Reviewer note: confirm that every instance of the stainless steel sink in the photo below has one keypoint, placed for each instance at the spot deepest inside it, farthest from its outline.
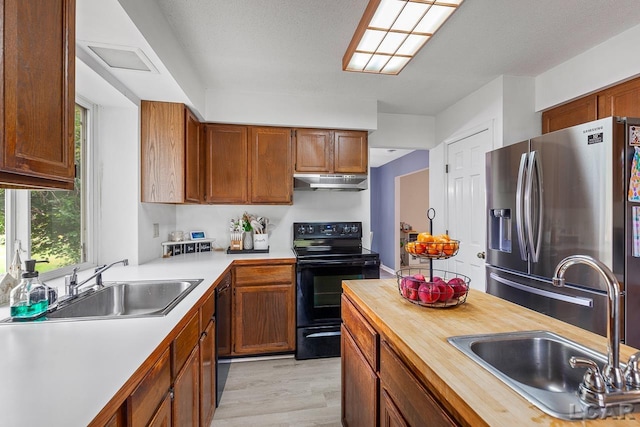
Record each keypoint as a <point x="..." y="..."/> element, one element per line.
<point x="142" y="298"/>
<point x="535" y="364"/>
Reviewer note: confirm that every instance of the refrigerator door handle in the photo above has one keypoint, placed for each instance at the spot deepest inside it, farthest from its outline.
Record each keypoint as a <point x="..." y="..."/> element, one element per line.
<point x="519" y="207"/>
<point x="533" y="170"/>
<point x="585" y="302"/>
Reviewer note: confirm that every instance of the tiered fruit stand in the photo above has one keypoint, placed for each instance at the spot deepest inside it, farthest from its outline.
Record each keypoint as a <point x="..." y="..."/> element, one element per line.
<point x="429" y="287"/>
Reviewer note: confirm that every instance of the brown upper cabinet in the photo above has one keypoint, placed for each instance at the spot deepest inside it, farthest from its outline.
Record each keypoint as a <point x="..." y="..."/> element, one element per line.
<point x="38" y="94"/>
<point x="619" y="100"/>
<point x="330" y="151"/>
<point x="248" y="165"/>
<point x="171" y="153"/>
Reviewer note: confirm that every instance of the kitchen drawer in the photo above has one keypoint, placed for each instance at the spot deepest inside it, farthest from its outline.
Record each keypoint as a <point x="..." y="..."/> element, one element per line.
<point x="362" y="332"/>
<point x="207" y="311"/>
<point x="183" y="344"/>
<point x="264" y="275"/>
<point x="146" y="398"/>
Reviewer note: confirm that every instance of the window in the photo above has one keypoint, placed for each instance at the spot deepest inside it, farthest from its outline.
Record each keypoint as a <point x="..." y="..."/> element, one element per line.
<point x="50" y="225"/>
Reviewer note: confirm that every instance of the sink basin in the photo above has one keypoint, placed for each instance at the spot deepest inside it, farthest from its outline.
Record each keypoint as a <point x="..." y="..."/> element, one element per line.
<point x="535" y="364"/>
<point x="142" y="298"/>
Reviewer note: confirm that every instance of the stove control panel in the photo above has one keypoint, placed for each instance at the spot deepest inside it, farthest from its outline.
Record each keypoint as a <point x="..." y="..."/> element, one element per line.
<point x="319" y="230"/>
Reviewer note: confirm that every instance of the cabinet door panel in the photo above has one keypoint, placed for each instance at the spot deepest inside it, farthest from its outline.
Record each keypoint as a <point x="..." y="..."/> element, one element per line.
<point x="264" y="319"/>
<point x="183" y="344"/>
<point x="621" y="100"/>
<point x="582" y="110"/>
<point x="226" y="158"/>
<point x="162" y="152"/>
<point x="361" y="331"/>
<point x="186" y="389"/>
<point x="208" y="374"/>
<point x="38" y="69"/>
<point x="147" y="396"/>
<point x="194" y="159"/>
<point x="350" y="152"/>
<point x="313" y="150"/>
<point x="359" y="385"/>
<point x="389" y="414"/>
<point x="162" y="417"/>
<point x="270" y="165"/>
<point x="416" y="404"/>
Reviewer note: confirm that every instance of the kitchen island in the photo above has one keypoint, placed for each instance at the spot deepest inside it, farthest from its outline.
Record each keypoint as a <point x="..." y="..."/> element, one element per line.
<point x="461" y="391"/>
<point x="68" y="373"/>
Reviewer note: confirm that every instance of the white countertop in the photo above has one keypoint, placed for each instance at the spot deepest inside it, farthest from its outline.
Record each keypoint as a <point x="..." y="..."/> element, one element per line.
<point x="64" y="373"/>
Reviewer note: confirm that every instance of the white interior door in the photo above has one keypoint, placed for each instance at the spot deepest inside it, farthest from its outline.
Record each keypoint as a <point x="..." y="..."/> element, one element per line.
<point x="466" y="204"/>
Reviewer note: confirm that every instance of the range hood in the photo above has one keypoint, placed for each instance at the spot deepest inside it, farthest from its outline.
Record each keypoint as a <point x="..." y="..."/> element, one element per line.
<point x="336" y="182"/>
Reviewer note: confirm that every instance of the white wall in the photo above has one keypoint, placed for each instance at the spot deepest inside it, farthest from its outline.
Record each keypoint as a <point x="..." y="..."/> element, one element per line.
<point x="291" y="110"/>
<point x="308" y="206"/>
<point x="117" y="176"/>
<point x="611" y="62"/>
<point x="404" y="131"/>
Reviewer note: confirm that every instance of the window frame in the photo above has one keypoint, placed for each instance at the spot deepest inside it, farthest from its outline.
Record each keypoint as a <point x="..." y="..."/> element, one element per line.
<point x="18" y="206"/>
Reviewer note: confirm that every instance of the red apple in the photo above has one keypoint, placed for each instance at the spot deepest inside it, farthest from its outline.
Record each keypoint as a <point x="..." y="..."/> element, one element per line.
<point x="419" y="277"/>
<point x="412" y="289"/>
<point x="428" y="292"/>
<point x="459" y="287"/>
<point x="446" y="291"/>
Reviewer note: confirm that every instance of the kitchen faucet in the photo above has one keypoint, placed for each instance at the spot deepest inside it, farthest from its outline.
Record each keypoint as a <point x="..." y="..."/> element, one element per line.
<point x="612" y="372"/>
<point x="71" y="284"/>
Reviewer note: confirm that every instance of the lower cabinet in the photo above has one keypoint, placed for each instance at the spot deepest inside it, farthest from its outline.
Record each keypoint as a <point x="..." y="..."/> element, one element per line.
<point x="145" y="400"/>
<point x="263" y="310"/>
<point x="185" y="410"/>
<point x="208" y="373"/>
<point x="378" y="387"/>
<point x="359" y="385"/>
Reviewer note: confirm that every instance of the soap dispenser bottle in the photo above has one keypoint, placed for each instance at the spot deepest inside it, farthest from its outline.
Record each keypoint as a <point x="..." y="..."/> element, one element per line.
<point x="30" y="298"/>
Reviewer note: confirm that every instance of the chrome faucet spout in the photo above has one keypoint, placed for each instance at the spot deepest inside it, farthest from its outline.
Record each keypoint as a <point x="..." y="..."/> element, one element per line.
<point x="72" y="285"/>
<point x="612" y="371"/>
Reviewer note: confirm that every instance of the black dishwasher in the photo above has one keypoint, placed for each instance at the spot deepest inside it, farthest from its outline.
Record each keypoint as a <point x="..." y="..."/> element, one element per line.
<point x="223" y="333"/>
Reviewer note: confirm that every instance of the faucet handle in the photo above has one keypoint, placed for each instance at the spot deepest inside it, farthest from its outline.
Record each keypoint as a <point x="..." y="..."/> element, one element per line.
<point x="632" y="373"/>
<point x="593" y="381"/>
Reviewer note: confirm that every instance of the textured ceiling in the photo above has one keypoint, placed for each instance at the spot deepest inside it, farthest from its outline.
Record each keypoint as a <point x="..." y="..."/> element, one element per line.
<point x="296" y="46"/>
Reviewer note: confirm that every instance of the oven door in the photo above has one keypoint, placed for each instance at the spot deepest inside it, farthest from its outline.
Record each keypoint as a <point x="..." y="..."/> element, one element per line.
<point x="319" y="286"/>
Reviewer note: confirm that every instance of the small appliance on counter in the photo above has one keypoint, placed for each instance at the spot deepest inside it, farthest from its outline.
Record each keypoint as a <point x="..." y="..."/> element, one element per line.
<point x="326" y="254"/>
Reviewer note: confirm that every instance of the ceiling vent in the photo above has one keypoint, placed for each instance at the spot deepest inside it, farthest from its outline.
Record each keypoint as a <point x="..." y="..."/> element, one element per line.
<point x="121" y="57"/>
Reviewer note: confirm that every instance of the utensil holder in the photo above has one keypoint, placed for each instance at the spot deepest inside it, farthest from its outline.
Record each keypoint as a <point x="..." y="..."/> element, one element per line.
<point x="236" y="240"/>
<point x="261" y="241"/>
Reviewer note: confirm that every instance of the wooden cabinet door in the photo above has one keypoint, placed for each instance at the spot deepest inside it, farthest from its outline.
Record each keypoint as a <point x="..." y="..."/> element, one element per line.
<point x="313" y="151"/>
<point x="38" y="93"/>
<point x="162" y="152"/>
<point x="118" y="419"/>
<point x="582" y="110"/>
<point x="621" y="100"/>
<point x="359" y="385"/>
<point x="350" y="152"/>
<point x="145" y="399"/>
<point x="162" y="417"/>
<point x="264" y="319"/>
<point x="270" y="165"/>
<point x="415" y="403"/>
<point x="389" y="414"/>
<point x="194" y="159"/>
<point x="226" y="159"/>
<point x="208" y="374"/>
<point x="186" y="388"/>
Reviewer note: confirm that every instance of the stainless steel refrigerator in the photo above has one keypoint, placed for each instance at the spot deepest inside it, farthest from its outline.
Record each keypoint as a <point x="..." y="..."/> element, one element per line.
<point x="561" y="194"/>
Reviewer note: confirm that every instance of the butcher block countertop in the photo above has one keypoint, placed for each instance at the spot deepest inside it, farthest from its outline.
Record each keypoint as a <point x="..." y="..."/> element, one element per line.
<point x="468" y="391"/>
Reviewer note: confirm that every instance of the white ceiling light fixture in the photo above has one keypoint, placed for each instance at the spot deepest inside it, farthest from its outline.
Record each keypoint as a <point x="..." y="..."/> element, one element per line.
<point x="391" y="32"/>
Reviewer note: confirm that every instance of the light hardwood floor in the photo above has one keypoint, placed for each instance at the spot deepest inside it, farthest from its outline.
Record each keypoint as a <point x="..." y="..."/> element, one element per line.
<point x="282" y="393"/>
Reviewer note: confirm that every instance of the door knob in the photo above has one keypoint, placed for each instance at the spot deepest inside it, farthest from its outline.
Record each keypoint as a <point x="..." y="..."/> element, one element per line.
<point x="480" y="255"/>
